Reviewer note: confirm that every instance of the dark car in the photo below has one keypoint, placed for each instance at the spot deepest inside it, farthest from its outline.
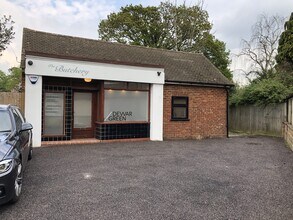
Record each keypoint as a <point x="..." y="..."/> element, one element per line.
<point x="15" y="151"/>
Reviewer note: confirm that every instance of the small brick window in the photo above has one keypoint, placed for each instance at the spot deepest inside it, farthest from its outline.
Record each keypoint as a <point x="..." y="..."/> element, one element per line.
<point x="179" y="108"/>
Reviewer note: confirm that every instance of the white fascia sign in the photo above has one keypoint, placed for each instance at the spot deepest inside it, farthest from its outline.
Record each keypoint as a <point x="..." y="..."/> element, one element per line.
<point x="45" y="66"/>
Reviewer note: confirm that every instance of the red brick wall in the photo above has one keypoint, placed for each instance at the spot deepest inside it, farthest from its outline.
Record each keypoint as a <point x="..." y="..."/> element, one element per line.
<point x="207" y="113"/>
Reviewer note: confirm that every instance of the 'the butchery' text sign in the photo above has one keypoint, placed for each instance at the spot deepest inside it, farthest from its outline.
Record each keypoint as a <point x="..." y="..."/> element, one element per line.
<point x="66" y="69"/>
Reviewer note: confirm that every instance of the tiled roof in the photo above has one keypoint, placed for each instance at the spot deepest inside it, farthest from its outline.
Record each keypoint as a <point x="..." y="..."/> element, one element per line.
<point x="179" y="66"/>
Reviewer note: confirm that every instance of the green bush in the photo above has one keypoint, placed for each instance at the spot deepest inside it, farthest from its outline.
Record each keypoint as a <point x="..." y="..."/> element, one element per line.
<point x="260" y="92"/>
<point x="11" y="81"/>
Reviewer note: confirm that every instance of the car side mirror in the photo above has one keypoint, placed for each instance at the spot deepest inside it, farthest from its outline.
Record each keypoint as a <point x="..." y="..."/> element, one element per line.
<point x="26" y="127"/>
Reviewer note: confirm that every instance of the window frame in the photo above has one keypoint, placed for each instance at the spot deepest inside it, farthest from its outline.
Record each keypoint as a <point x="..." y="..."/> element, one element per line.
<point x="127" y="86"/>
<point x="173" y="105"/>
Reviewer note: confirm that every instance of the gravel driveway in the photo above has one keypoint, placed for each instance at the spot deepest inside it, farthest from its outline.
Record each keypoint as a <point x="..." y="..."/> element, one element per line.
<point x="235" y="178"/>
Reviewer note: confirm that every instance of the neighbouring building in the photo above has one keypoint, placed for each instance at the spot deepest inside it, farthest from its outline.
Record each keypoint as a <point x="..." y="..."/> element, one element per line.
<point x="83" y="88"/>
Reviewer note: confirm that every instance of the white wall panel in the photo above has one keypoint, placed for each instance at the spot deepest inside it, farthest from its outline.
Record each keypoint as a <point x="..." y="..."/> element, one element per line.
<point x="156" y="132"/>
<point x="33" y="108"/>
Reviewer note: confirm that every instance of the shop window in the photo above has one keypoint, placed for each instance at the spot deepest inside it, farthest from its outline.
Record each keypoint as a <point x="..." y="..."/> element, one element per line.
<point x="122" y="105"/>
<point x="54" y="113"/>
<point x="179" y="108"/>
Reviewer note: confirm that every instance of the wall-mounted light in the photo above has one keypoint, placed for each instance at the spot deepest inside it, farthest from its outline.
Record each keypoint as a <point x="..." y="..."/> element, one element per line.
<point x="87" y="80"/>
<point x="159" y="73"/>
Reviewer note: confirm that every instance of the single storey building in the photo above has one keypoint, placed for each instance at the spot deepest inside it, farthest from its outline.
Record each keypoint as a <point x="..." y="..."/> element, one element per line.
<point x="82" y="88"/>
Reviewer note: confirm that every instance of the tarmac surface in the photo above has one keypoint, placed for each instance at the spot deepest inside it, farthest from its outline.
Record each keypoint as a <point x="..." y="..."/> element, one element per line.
<point x="235" y="178"/>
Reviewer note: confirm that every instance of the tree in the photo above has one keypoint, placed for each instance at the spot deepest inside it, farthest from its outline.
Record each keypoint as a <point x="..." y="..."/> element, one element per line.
<point x="284" y="58"/>
<point x="11" y="81"/>
<point x="261" y="48"/>
<point x="6" y="32"/>
<point x="215" y="51"/>
<point x="186" y="26"/>
<point x="273" y="83"/>
<point x="167" y="26"/>
<point x="134" y="25"/>
<point x="3" y="81"/>
<point x="285" y="49"/>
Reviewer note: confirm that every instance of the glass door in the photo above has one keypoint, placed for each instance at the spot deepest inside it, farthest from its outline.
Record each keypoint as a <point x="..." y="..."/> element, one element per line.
<point x="83" y="115"/>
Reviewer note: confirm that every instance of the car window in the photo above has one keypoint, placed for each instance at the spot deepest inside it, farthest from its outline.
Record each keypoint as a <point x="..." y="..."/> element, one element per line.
<point x="17" y="118"/>
<point x="20" y="114"/>
<point x="5" y="122"/>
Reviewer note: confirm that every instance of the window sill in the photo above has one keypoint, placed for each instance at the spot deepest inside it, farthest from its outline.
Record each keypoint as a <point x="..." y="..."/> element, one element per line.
<point x="173" y="119"/>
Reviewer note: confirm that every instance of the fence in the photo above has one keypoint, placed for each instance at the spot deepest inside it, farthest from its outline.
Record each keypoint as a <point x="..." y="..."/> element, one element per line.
<point x="257" y="119"/>
<point x="288" y="126"/>
<point x="290" y="110"/>
<point x="14" y="98"/>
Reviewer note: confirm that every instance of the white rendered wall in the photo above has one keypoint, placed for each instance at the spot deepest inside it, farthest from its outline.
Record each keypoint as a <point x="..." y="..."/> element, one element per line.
<point x="156" y="114"/>
<point x="33" y="108"/>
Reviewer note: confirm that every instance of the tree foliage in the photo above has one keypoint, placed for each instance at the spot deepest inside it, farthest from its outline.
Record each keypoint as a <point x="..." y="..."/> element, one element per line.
<point x="186" y="26"/>
<point x="285" y="49"/>
<point x="284" y="58"/>
<point x="261" y="48"/>
<point x="263" y="92"/>
<point x="6" y="32"/>
<point x="167" y="26"/>
<point x="11" y="81"/>
<point x="134" y="25"/>
<point x="215" y="51"/>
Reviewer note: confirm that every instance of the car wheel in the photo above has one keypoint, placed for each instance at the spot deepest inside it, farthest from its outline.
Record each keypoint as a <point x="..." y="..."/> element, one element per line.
<point x="30" y="154"/>
<point x="17" y="184"/>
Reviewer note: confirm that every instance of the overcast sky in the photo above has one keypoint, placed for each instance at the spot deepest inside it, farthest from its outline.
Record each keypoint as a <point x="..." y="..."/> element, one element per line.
<point x="231" y="19"/>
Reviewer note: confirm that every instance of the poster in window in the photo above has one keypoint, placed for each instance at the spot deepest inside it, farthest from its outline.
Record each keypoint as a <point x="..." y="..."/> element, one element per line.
<point x="54" y="104"/>
<point x="54" y="112"/>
